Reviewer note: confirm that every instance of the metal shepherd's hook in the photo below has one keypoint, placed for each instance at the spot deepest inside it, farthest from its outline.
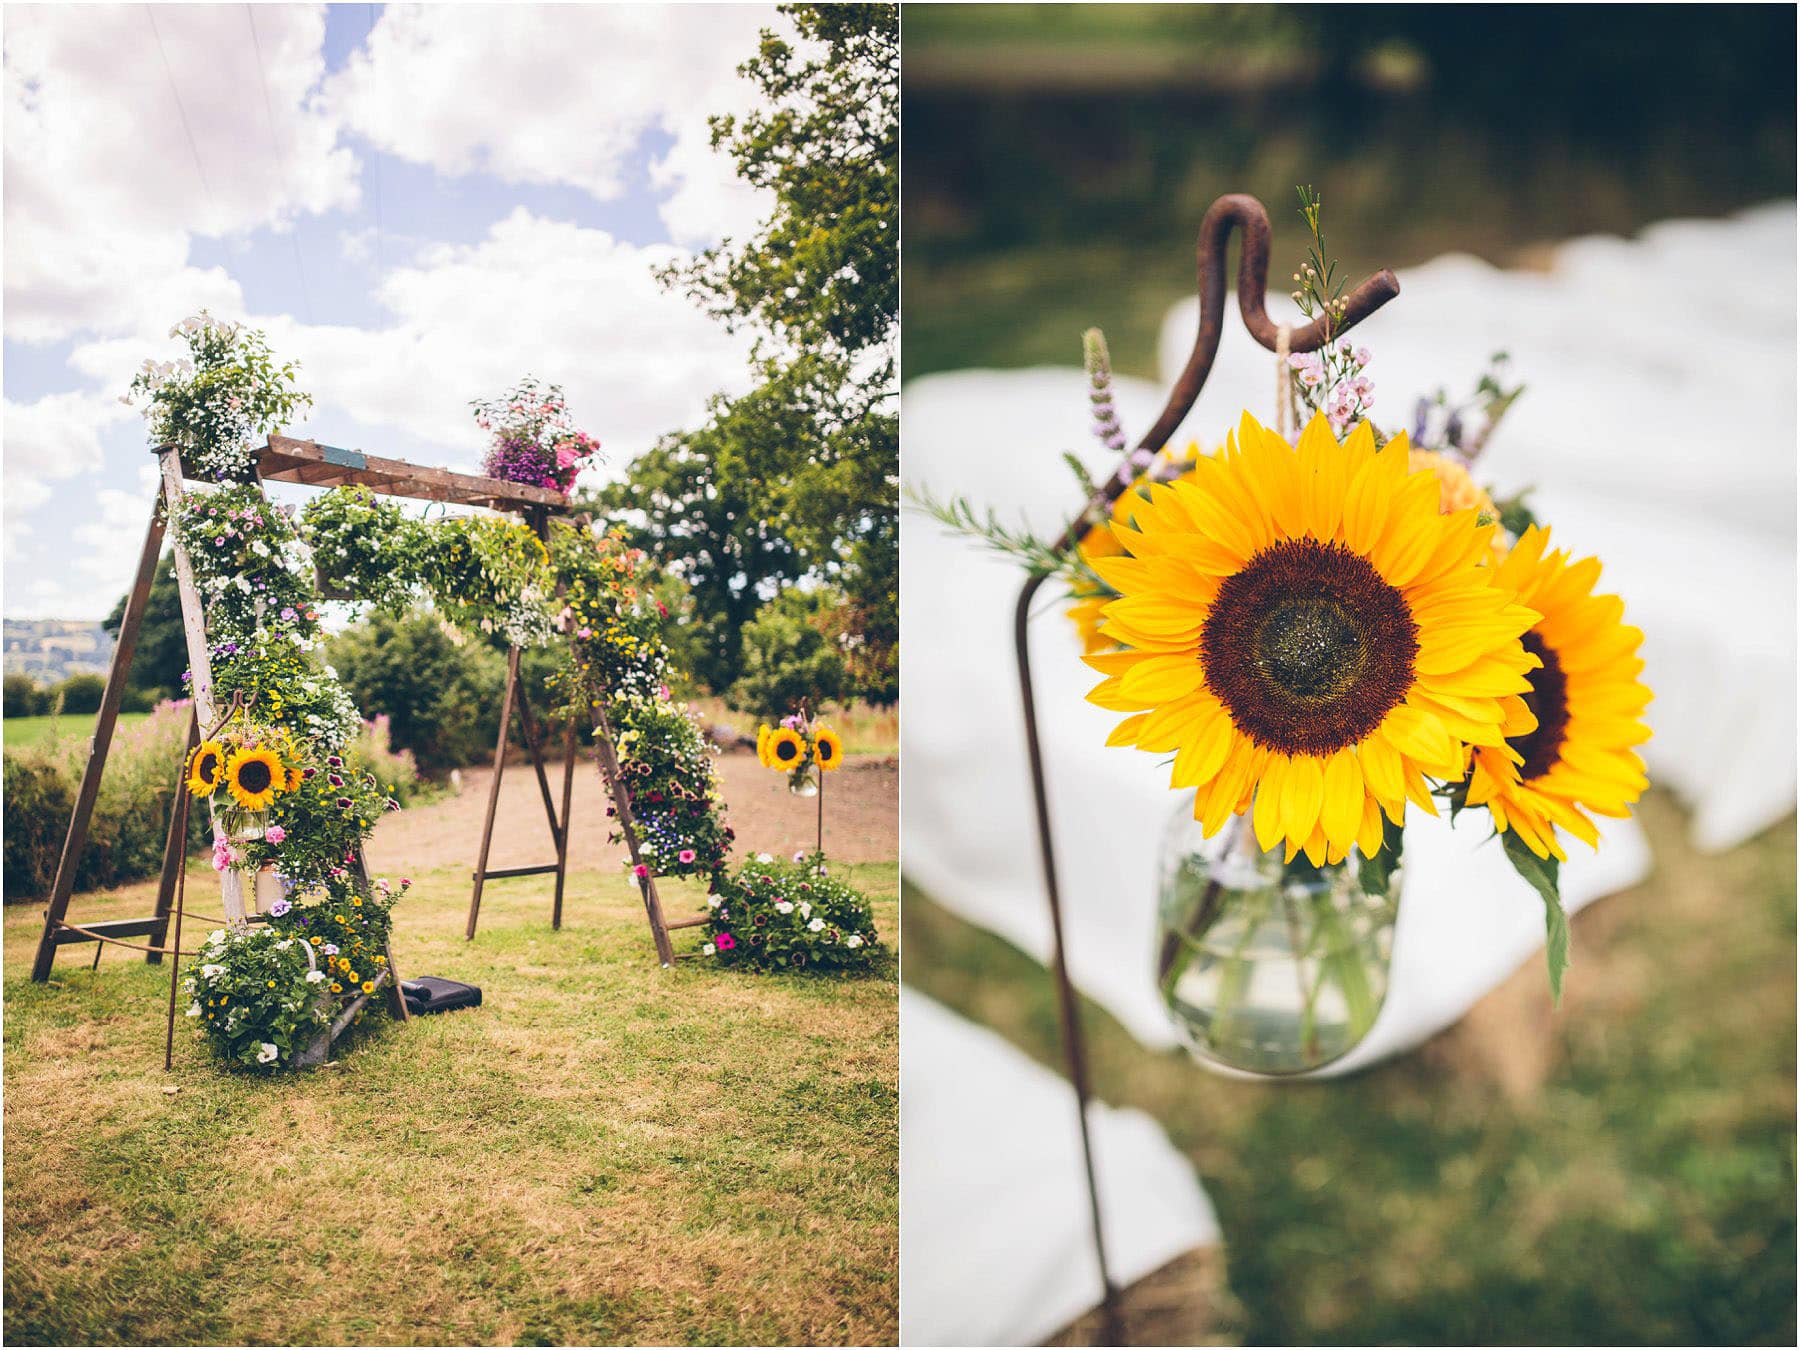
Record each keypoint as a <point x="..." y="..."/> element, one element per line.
<point x="1247" y="216"/>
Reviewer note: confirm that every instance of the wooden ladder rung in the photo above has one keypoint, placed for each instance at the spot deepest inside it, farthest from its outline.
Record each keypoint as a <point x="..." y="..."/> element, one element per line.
<point x="497" y="872"/>
<point x="120" y="928"/>
<point x="685" y="923"/>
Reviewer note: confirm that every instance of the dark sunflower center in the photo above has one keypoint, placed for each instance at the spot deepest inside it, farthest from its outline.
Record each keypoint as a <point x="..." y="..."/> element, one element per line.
<point x="207" y="766"/>
<point x="786" y="750"/>
<point x="825" y="750"/>
<point x="254" y="776"/>
<point x="1308" y="647"/>
<point x="1549" y="703"/>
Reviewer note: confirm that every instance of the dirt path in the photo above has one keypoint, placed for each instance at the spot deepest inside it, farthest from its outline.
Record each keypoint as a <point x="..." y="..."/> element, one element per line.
<point x="862" y="823"/>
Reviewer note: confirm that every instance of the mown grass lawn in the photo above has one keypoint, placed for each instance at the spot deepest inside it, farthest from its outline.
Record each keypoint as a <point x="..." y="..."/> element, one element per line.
<point x="21" y="733"/>
<point x="604" y="1152"/>
<point x="1616" y="1172"/>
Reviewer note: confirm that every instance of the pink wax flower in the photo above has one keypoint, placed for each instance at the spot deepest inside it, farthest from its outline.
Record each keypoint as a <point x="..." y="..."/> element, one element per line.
<point x="640" y="871"/>
<point x="275" y="834"/>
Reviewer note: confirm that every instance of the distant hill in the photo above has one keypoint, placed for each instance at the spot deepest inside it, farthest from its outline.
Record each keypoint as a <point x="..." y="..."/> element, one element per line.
<point x="51" y="650"/>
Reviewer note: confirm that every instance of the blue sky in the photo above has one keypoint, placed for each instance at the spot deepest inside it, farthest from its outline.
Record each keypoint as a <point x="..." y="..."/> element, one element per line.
<point x="420" y="205"/>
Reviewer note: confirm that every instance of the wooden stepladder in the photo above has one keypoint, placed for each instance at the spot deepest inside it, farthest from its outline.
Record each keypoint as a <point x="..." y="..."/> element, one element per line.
<point x="282" y="459"/>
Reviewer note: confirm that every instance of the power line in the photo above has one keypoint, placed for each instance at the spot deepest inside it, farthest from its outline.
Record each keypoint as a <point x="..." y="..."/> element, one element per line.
<point x="374" y="151"/>
<point x="275" y="147"/>
<point x="181" y="107"/>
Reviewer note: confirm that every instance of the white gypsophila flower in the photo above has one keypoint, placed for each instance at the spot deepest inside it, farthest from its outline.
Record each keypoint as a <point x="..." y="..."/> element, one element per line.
<point x="267" y="1053"/>
<point x="815" y="926"/>
<point x="854" y="940"/>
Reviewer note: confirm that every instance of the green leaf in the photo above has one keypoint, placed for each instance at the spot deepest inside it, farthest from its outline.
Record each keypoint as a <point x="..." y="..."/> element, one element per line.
<point x="1542" y="874"/>
<point x="1376" y="874"/>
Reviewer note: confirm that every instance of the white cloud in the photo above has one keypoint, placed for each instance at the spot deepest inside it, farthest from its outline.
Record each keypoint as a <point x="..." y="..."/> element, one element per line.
<point x="563" y="94"/>
<point x="564" y="303"/>
<point x="56" y="436"/>
<point x="103" y="192"/>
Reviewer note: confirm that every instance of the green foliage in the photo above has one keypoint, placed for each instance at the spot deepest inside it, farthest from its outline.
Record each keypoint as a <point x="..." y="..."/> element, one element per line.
<point x="24" y="698"/>
<point x="160" y="659"/>
<point x="257" y="997"/>
<point x="488" y="575"/>
<point x="798" y="477"/>
<point x="1542" y="874"/>
<point x="439" y="691"/>
<point x="772" y="915"/>
<point x="791" y="655"/>
<point x="80" y="694"/>
<point x="1376" y="874"/>
<point x="364" y="546"/>
<point x="668" y="767"/>
<point x="131" y="816"/>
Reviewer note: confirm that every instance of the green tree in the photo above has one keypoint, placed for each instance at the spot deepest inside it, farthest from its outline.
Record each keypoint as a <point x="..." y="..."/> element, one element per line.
<point x="798" y="477"/>
<point x="23" y="697"/>
<point x="791" y="653"/>
<point x="161" y="658"/>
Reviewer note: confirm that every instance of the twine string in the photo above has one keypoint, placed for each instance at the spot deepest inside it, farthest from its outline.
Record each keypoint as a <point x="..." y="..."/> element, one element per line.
<point x="1284" y="384"/>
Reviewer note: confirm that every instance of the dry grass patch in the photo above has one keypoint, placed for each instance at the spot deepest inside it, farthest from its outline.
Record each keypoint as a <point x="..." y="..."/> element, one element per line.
<point x="605" y="1152"/>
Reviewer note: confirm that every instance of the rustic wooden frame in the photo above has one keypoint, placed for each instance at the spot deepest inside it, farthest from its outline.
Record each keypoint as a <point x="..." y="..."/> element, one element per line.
<point x="285" y="459"/>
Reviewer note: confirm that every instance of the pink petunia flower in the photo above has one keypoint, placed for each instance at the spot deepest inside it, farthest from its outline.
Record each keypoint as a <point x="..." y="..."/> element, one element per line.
<point x="687" y="855"/>
<point x="726" y="942"/>
<point x="640" y="871"/>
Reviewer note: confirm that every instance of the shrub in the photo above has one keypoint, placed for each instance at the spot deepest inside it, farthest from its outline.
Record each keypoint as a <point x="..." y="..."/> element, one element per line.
<point x="131" y="816"/>
<point x="790" y="655"/>
<point x="440" y="696"/>
<point x="24" y="698"/>
<point x="81" y="693"/>
<point x="790" y="916"/>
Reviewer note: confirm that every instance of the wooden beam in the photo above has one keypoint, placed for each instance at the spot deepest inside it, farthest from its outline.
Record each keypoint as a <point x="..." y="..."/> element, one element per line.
<point x="288" y="460"/>
<point x="487" y="827"/>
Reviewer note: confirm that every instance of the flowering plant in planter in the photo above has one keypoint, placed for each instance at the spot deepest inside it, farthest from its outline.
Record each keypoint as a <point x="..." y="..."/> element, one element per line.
<point x="365" y="547"/>
<point x="488" y="575"/>
<point x="667" y="766"/>
<point x="1323" y="628"/>
<point x="243" y="769"/>
<point x="771" y="915"/>
<point x="347" y="925"/>
<point x="257" y="998"/>
<point x="249" y="561"/>
<point x="276" y="670"/>
<point x="212" y="404"/>
<point x="535" y="441"/>
<point x="798" y="746"/>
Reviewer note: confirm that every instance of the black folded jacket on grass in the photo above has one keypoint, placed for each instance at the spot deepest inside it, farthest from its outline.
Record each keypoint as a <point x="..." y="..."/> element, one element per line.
<point x="429" y="994"/>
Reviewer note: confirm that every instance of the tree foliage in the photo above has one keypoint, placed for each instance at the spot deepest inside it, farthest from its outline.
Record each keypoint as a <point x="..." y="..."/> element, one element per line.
<point x="161" y="658"/>
<point x="797" y="478"/>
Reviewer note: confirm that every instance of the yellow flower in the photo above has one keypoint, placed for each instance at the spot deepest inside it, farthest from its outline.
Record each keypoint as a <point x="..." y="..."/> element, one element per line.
<point x="786" y="749"/>
<point x="336" y="988"/>
<point x="368" y="986"/>
<point x="315" y="939"/>
<point x="253" y="775"/>
<point x="1457" y="491"/>
<point x="1587" y="699"/>
<point x="1102" y="541"/>
<point x="828" y="750"/>
<point x="1310" y="637"/>
<point x="206" y="768"/>
<point x="271" y="984"/>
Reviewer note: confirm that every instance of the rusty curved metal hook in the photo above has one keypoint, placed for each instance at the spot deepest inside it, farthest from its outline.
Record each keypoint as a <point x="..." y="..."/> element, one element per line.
<point x="1244" y="213"/>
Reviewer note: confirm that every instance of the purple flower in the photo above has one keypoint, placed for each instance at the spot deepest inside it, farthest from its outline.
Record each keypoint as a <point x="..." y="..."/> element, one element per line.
<point x="279" y="907"/>
<point x="275" y="834"/>
<point x="330" y="949"/>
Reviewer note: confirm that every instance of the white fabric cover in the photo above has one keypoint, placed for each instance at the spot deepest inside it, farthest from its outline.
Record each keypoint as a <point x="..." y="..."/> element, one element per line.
<point x="1623" y="437"/>
<point x="996" y="1247"/>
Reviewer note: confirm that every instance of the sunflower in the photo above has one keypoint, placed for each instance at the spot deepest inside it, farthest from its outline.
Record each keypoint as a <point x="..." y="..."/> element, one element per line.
<point x="1306" y="632"/>
<point x="786" y="749"/>
<point x="828" y="750"/>
<point x="1102" y="541"/>
<point x="763" y="735"/>
<point x="1587" y="698"/>
<point x="206" y="768"/>
<point x="253" y="775"/>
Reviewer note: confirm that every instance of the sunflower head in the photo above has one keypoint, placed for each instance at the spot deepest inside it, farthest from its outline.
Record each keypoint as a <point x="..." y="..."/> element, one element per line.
<point x="254" y="775"/>
<point x="206" y="768"/>
<point x="828" y="750"/>
<point x="786" y="749"/>
<point x="762" y="744"/>
<point x="1310" y="637"/>
<point x="1586" y="703"/>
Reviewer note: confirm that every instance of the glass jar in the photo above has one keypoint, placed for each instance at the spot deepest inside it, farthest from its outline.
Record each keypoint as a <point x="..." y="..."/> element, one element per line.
<point x="804" y="782"/>
<point x="1270" y="967"/>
